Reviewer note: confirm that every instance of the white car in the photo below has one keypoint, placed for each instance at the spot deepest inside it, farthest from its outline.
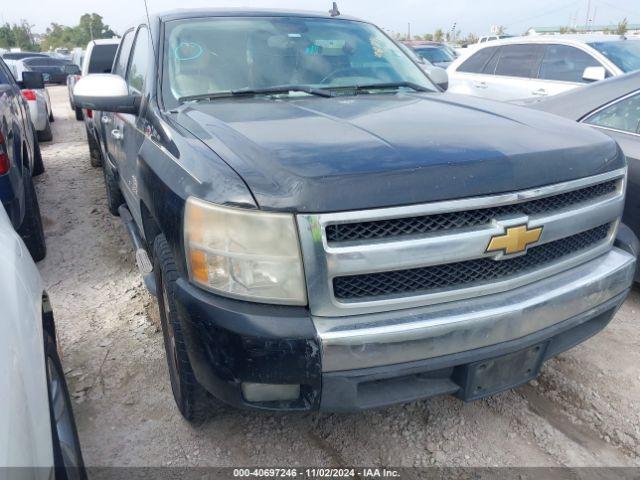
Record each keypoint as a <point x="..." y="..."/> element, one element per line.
<point x="38" y="100"/>
<point x="523" y="67"/>
<point x="98" y="58"/>
<point x="36" y="419"/>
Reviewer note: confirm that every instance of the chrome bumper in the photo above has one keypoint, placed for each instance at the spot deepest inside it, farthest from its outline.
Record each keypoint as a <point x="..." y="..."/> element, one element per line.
<point x="389" y="338"/>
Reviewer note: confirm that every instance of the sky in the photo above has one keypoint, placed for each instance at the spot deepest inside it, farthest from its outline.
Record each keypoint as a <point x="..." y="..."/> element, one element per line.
<point x="476" y="16"/>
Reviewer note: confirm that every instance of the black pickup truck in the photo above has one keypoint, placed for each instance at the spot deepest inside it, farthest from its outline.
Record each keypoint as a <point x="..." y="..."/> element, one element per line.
<point x="20" y="158"/>
<point x="325" y="229"/>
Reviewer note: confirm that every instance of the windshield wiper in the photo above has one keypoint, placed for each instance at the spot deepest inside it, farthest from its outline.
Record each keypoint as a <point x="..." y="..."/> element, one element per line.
<point x="383" y="86"/>
<point x="257" y="91"/>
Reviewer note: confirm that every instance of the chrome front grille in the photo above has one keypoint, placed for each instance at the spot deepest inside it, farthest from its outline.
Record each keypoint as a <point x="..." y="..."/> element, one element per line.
<point x="459" y="274"/>
<point x="386" y="259"/>
<point x="396" y="227"/>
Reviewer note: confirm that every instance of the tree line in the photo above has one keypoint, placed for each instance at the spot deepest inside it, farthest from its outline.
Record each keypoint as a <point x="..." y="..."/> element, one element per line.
<point x="20" y="35"/>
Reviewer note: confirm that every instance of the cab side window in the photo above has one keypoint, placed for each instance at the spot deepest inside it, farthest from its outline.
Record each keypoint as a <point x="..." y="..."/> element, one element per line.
<point x="565" y="63"/>
<point x="477" y="61"/>
<point x="624" y="115"/>
<point x="519" y="60"/>
<point x="137" y="72"/>
<point x="120" y="65"/>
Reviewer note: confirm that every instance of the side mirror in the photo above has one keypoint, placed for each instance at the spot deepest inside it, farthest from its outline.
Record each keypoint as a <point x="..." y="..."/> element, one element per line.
<point x="105" y="92"/>
<point x="439" y="76"/>
<point x="594" y="74"/>
<point x="32" y="80"/>
<point x="71" y="69"/>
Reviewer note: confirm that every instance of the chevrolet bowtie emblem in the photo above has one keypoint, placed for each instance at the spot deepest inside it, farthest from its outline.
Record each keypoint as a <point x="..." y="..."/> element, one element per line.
<point x="514" y="240"/>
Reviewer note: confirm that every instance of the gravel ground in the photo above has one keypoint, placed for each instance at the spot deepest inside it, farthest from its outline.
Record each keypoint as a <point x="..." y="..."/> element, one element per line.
<point x="584" y="410"/>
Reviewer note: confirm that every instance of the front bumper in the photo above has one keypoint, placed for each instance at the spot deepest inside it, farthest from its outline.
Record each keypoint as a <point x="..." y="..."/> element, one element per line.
<point x="365" y="361"/>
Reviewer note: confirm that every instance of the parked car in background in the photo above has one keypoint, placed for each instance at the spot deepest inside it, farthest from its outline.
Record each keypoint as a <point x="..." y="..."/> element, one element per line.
<point x="491" y="38"/>
<point x="523" y="67"/>
<point x="20" y="158"/>
<point x="52" y="68"/>
<point x="22" y="55"/>
<point x="437" y="74"/>
<point x="38" y="99"/>
<point x="325" y="230"/>
<point x="77" y="56"/>
<point x="613" y="107"/>
<point x="74" y="74"/>
<point x="39" y="440"/>
<point x="436" y="53"/>
<point x="98" y="59"/>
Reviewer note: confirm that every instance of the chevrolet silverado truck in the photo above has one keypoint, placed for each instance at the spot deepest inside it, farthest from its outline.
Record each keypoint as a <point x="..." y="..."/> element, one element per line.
<point x="326" y="230"/>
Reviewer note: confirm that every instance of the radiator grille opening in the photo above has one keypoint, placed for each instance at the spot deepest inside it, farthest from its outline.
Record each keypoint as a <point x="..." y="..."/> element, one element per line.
<point x="461" y="274"/>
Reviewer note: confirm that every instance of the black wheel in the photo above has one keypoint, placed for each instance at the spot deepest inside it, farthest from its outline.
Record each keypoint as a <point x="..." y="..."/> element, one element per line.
<point x="95" y="156"/>
<point x="46" y="135"/>
<point x="114" y="195"/>
<point x="79" y="115"/>
<point x="31" y="229"/>
<point x="38" y="164"/>
<point x="187" y="392"/>
<point x="51" y="118"/>
<point x="67" y="454"/>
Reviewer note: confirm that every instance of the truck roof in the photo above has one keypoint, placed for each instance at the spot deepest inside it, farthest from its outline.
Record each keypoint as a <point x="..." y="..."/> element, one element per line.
<point x="181" y="13"/>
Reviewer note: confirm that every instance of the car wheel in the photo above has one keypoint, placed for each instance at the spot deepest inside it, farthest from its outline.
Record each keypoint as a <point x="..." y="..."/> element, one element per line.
<point x="38" y="164"/>
<point x="114" y="195"/>
<point x="46" y="135"/>
<point x="51" y="118"/>
<point x="79" y="115"/>
<point x="95" y="157"/>
<point x="190" y="396"/>
<point x="67" y="454"/>
<point x="31" y="230"/>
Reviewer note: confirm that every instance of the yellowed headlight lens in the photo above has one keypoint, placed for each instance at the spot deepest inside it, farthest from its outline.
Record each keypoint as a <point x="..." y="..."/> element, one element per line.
<point x="244" y="253"/>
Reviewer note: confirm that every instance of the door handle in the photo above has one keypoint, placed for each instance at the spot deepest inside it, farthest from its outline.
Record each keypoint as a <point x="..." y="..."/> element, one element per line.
<point x="105" y="119"/>
<point x="116" y="134"/>
<point x="540" y="92"/>
<point x="480" y="84"/>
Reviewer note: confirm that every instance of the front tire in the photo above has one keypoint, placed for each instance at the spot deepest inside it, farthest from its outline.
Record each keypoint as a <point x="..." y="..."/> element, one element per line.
<point x="189" y="395"/>
<point x="31" y="230"/>
<point x="67" y="454"/>
<point x="46" y="135"/>
<point x="114" y="194"/>
<point x="95" y="157"/>
<point x="38" y="164"/>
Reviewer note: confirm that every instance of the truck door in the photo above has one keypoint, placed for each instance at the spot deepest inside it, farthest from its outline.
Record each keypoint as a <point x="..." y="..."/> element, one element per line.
<point x="133" y="126"/>
<point x="106" y="122"/>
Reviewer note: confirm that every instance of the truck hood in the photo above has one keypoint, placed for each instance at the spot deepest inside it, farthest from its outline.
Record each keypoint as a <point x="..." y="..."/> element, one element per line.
<point x="312" y="154"/>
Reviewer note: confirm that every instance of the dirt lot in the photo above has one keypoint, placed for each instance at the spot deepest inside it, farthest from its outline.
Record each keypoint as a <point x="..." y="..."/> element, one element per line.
<point x="584" y="410"/>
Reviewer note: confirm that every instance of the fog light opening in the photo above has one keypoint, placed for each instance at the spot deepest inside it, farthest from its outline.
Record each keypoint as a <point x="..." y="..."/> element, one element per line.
<point x="268" y="392"/>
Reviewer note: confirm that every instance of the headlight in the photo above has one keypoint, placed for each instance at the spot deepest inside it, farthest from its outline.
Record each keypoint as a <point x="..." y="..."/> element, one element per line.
<point x="244" y="253"/>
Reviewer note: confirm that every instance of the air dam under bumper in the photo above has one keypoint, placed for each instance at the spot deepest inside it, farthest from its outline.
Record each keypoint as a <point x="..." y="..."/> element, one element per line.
<point x="367" y="361"/>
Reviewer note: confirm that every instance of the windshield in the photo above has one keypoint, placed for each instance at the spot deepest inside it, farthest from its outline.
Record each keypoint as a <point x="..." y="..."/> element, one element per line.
<point x="624" y="53"/>
<point x="434" y="54"/>
<point x="227" y="54"/>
